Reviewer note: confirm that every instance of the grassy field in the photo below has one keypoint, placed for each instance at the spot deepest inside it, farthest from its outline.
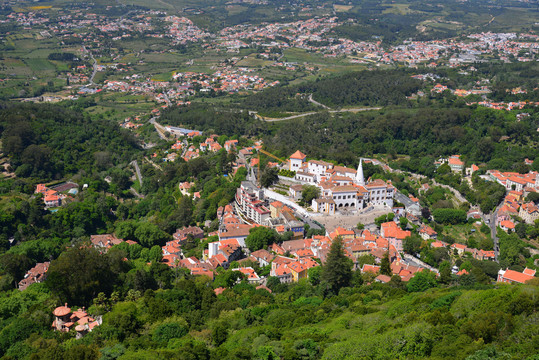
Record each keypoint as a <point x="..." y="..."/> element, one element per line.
<point x="399" y="9"/>
<point x="40" y="65"/>
<point x="252" y="61"/>
<point x="461" y="233"/>
<point x="342" y="8"/>
<point x="235" y="9"/>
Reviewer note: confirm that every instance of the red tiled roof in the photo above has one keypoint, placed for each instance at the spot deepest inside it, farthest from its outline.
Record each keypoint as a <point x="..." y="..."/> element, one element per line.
<point x="370" y="268"/>
<point x="517" y="276"/>
<point x="61" y="311"/>
<point x="298" y="155"/>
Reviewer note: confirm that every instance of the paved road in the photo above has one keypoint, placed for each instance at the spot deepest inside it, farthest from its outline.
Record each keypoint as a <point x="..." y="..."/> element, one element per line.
<point x="314" y="112"/>
<point x="316" y="102"/>
<point x="94" y="66"/>
<point x="159" y="128"/>
<point x="137" y="171"/>
<point x="134" y="192"/>
<point x="310" y="222"/>
<point x="492" y="224"/>
<point x="167" y="100"/>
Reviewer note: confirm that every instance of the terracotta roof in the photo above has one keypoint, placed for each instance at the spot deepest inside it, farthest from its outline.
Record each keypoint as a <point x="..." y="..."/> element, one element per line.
<point x="298" y="155"/>
<point x="516" y="276"/>
<point x="455" y="161"/>
<point x="507" y="224"/>
<point x="383" y="278"/>
<point x="219" y="290"/>
<point x="370" y="268"/>
<point x="61" y="311"/>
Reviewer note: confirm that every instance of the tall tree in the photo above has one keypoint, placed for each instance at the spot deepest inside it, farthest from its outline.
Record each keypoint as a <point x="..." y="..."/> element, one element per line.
<point x="269" y="177"/>
<point x="260" y="237"/>
<point x="385" y="265"/>
<point x="337" y="271"/>
<point x="79" y="274"/>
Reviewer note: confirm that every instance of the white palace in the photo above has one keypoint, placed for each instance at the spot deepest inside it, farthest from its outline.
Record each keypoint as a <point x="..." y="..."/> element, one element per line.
<point x="340" y="187"/>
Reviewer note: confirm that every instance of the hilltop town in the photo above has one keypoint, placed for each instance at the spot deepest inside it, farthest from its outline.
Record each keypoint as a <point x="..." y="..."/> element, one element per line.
<point x="255" y="179"/>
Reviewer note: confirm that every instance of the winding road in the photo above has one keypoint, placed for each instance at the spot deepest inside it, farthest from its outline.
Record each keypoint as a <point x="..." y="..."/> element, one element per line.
<point x="316" y="102"/>
<point x="312" y="113"/>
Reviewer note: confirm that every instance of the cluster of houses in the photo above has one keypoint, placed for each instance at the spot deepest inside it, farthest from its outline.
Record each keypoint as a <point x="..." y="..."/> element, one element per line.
<point x="290" y="260"/>
<point x="518" y="186"/>
<point x="462" y="250"/>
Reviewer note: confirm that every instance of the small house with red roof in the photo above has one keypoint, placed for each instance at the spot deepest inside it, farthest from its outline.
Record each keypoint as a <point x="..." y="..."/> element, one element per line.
<point x="375" y="269"/>
<point x="455" y="163"/>
<point x="512" y="276"/>
<point x="507" y="225"/>
<point x="250" y="274"/>
<point x="263" y="257"/>
<point x="427" y="233"/>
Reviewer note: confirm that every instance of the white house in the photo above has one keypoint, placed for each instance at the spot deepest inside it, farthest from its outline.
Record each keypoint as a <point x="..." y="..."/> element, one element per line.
<point x="296" y="161"/>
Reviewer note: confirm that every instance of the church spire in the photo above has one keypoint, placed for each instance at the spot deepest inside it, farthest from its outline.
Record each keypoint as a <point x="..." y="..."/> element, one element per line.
<point x="360" y="179"/>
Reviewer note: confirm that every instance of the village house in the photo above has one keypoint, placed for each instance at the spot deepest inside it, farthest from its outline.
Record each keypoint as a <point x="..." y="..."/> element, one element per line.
<point x="280" y="269"/>
<point x="51" y="198"/>
<point x="455" y="163"/>
<point x="511" y="276"/>
<point x="65" y="320"/>
<point x="231" y="249"/>
<point x="250" y="274"/>
<point x="105" y="241"/>
<point x="194" y="231"/>
<point x="529" y="212"/>
<point x="427" y="233"/>
<point x="507" y="225"/>
<point x="263" y="257"/>
<point x="36" y="274"/>
<point x="394" y="234"/>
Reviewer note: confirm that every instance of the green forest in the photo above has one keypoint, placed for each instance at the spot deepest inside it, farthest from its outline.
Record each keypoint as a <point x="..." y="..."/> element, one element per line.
<point x="50" y="142"/>
<point x="478" y="134"/>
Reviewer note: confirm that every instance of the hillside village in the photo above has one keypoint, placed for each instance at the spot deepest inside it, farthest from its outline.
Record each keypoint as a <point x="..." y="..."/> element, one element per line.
<point x="251" y="179"/>
<point x="343" y="192"/>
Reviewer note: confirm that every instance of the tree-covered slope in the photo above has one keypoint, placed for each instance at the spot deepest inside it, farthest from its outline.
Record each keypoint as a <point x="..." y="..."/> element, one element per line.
<point x="50" y="141"/>
<point x="188" y="321"/>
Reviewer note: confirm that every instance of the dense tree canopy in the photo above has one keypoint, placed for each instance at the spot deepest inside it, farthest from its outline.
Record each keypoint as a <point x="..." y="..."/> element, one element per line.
<point x="49" y="141"/>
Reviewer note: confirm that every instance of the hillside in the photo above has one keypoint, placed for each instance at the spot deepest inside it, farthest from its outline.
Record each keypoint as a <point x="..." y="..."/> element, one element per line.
<point x="50" y="141"/>
<point x="187" y="321"/>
